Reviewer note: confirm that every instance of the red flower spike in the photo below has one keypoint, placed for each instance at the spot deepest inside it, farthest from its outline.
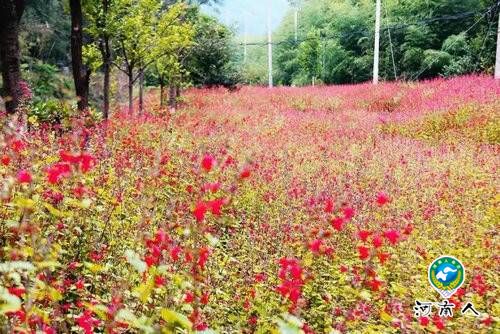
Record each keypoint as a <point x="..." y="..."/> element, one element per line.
<point x="24" y="177"/>
<point x="329" y="206"/>
<point x="315" y="246"/>
<point x="5" y="160"/>
<point x="338" y="223"/>
<point x="393" y="236"/>
<point x="363" y="235"/>
<point x="382" y="199"/>
<point x="200" y="210"/>
<point x="377" y="241"/>
<point x="348" y="212"/>
<point x="245" y="173"/>
<point x="364" y="252"/>
<point x="208" y="162"/>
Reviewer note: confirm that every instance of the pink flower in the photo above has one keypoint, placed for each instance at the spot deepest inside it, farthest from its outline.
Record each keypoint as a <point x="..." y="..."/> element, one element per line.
<point x="329" y="206"/>
<point x="382" y="199"/>
<point x="24" y="176"/>
<point x="348" y="212"/>
<point x="216" y="206"/>
<point x="200" y="210"/>
<point x="208" y="162"/>
<point x="57" y="171"/>
<point x="392" y="236"/>
<point x="315" y="246"/>
<point x="174" y="253"/>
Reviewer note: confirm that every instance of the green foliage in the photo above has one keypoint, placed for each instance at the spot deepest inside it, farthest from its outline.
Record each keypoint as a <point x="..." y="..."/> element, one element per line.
<point x="50" y="111"/>
<point x="428" y="39"/>
<point x="46" y="81"/>
<point x="211" y="59"/>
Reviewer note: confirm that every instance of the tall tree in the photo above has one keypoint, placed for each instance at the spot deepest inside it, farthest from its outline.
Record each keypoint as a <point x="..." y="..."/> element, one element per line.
<point x="146" y="33"/>
<point x="81" y="73"/>
<point x="11" y="12"/>
<point x="102" y="25"/>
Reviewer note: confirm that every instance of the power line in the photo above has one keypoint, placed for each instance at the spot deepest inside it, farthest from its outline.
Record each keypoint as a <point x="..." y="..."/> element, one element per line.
<point x="398" y="26"/>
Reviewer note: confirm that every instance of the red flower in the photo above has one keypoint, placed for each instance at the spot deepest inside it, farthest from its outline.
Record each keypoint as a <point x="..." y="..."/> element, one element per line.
<point x="188" y="297"/>
<point x="438" y="322"/>
<point x="338" y="223"/>
<point x="329" y="206"/>
<point x="207" y="162"/>
<point x="487" y="321"/>
<point x="5" y="160"/>
<point x="174" y="253"/>
<point x="18" y="145"/>
<point x="382" y="257"/>
<point x="216" y="206"/>
<point x="374" y="284"/>
<point x="80" y="284"/>
<point x="17" y="291"/>
<point x="200" y="210"/>
<point x="364" y="252"/>
<point x="205" y="298"/>
<point x="58" y="171"/>
<point x="24" y="176"/>
<point x="68" y="157"/>
<point x="408" y="229"/>
<point x="87" y="322"/>
<point x="315" y="246"/>
<point x="392" y="236"/>
<point x="203" y="257"/>
<point x="377" y="241"/>
<point x="364" y="234"/>
<point x="86" y="162"/>
<point x="348" y="212"/>
<point x="260" y="277"/>
<point x="382" y="199"/>
<point x="150" y="260"/>
<point x="160" y="281"/>
<point x="424" y="321"/>
<point x="245" y="173"/>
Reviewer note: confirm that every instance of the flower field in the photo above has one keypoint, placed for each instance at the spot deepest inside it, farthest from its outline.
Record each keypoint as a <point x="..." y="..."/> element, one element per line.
<point x="292" y="210"/>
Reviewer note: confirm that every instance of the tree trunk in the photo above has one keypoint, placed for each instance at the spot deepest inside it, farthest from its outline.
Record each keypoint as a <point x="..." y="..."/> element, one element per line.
<point x="172" y="95"/>
<point x="107" y="70"/>
<point x="162" y="88"/>
<point x="106" y="56"/>
<point x="11" y="12"/>
<point x="130" y="91"/>
<point x="81" y="74"/>
<point x="141" y="91"/>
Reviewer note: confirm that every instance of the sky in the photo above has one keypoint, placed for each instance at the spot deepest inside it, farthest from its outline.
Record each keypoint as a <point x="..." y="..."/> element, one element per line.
<point x="233" y="13"/>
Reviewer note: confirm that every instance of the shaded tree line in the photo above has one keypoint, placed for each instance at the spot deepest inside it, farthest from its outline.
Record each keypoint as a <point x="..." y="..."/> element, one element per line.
<point x="141" y="38"/>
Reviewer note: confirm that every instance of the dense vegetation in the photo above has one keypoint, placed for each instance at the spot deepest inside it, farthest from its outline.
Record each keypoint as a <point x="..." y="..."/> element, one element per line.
<point x="106" y="43"/>
<point x="311" y="210"/>
<point x="244" y="210"/>
<point x="419" y="39"/>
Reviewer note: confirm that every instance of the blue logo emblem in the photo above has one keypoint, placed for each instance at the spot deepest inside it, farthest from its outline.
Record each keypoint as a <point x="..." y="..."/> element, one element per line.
<point x="446" y="275"/>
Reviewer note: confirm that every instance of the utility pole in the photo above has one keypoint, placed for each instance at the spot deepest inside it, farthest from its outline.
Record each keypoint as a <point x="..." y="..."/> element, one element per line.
<point x="497" y="63"/>
<point x="269" y="46"/>
<point x="377" y="43"/>
<point x="245" y="40"/>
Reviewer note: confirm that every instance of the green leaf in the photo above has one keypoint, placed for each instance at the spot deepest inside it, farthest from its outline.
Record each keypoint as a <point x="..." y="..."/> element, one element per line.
<point x="175" y="319"/>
